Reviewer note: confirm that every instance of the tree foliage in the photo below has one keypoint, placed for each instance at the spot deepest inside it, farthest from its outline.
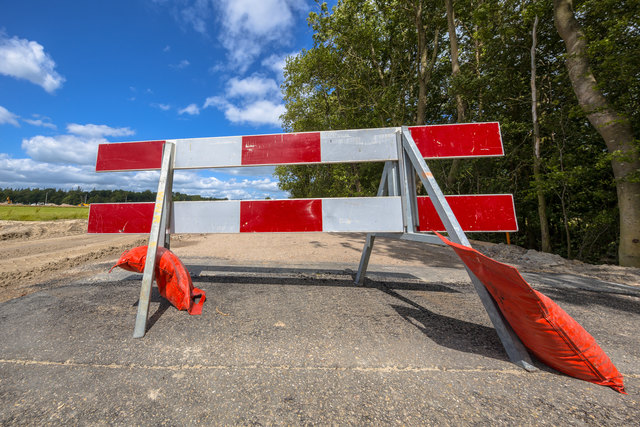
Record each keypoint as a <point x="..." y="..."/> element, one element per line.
<point x="363" y="71"/>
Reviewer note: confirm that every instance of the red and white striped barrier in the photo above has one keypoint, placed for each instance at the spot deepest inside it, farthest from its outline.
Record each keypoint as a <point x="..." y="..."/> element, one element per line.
<point x="396" y="212"/>
<point x="476" y="213"/>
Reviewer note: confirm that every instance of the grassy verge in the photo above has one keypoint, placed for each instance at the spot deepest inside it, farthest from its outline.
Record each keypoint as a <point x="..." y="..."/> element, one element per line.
<point x="42" y="213"/>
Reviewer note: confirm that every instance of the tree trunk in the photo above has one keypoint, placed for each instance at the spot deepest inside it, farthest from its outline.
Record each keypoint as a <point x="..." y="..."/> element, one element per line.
<point x="455" y="70"/>
<point x="614" y="128"/>
<point x="422" y="66"/>
<point x="537" y="159"/>
<point x="425" y="65"/>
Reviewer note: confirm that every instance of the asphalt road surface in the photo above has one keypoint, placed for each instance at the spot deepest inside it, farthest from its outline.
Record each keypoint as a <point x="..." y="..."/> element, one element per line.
<point x="291" y="340"/>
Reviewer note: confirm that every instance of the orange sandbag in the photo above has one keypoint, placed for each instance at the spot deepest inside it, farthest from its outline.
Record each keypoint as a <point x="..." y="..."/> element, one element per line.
<point x="172" y="277"/>
<point x="544" y="328"/>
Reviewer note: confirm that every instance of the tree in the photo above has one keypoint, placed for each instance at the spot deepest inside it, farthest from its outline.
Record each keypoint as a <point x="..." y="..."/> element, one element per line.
<point x="542" y="204"/>
<point x="613" y="127"/>
<point x="367" y="68"/>
<point x="455" y="72"/>
<point x="372" y="65"/>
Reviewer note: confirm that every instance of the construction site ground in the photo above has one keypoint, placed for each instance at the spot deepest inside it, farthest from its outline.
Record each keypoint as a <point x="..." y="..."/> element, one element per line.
<point x="287" y="338"/>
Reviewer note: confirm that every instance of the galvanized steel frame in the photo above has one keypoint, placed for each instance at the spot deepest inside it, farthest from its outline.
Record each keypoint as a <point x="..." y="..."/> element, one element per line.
<point x="398" y="178"/>
<point x="403" y="172"/>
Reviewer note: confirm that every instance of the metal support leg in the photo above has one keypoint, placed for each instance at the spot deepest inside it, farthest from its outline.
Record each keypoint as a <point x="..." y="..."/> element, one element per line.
<point x="168" y="211"/>
<point x="513" y="346"/>
<point x="157" y="234"/>
<point x="383" y="189"/>
<point x="364" y="259"/>
<point x="404" y="172"/>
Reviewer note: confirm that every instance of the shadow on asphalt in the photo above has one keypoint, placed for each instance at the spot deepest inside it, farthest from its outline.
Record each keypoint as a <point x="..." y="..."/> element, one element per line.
<point x="586" y="298"/>
<point x="164" y="306"/>
<point x="310" y="281"/>
<point x="445" y="331"/>
<point x="427" y="254"/>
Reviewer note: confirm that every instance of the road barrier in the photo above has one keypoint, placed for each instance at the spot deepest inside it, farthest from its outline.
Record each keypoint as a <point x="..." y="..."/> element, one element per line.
<point x="396" y="212"/>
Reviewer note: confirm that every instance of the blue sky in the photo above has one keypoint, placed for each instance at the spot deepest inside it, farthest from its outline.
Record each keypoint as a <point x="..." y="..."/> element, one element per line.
<point x="74" y="74"/>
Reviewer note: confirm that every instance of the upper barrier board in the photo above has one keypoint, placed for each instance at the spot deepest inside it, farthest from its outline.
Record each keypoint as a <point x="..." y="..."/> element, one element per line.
<point x="364" y="145"/>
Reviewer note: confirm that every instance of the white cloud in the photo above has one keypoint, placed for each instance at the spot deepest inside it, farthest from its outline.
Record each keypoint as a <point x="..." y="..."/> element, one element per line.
<point x="245" y="28"/>
<point x="7" y="117"/>
<point x="191" y="109"/>
<point x="262" y="112"/>
<point x="217" y="68"/>
<point x="215" y="101"/>
<point x="40" y="122"/>
<point x="163" y="107"/>
<point x="254" y="100"/>
<point x="276" y="63"/>
<point x="24" y="59"/>
<point x="62" y="149"/>
<point x="251" y="87"/>
<point x="80" y="146"/>
<point x="196" y="15"/>
<point x="95" y="131"/>
<point x="22" y="173"/>
<point x="249" y="26"/>
<point x="181" y="65"/>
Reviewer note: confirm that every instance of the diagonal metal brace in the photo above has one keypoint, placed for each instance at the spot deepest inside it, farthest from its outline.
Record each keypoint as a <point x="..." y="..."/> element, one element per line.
<point x="513" y="346"/>
<point x="157" y="235"/>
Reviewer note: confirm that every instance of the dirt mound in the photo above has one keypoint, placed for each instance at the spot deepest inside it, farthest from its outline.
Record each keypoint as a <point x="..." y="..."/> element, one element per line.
<point x="36" y="252"/>
<point x="530" y="260"/>
<point x="29" y="230"/>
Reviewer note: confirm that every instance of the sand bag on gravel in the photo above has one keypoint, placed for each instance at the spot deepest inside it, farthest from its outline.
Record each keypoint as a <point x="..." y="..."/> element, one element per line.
<point x="172" y="277"/>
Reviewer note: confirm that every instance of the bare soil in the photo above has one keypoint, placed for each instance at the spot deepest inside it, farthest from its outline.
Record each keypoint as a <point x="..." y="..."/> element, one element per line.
<point x="50" y="252"/>
<point x="36" y="254"/>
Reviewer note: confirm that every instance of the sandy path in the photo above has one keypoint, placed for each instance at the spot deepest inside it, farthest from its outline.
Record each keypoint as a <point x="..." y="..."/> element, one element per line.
<point x="310" y="248"/>
<point x="47" y="253"/>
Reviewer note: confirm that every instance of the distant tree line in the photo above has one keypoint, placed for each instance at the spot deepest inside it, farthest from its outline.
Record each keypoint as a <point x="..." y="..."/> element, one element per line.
<point x="77" y="196"/>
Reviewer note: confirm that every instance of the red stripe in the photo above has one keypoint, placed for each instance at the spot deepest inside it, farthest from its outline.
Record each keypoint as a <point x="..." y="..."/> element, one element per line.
<point x="129" y="156"/>
<point x="460" y="140"/>
<point x="281" y="148"/>
<point x="280" y="216"/>
<point x="474" y="213"/>
<point x="121" y="218"/>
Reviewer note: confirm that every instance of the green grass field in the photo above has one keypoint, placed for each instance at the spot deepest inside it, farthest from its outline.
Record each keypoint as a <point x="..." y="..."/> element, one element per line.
<point x="42" y="213"/>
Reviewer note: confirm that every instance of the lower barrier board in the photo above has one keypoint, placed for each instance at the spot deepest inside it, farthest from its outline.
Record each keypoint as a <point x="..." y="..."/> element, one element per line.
<point x="479" y="213"/>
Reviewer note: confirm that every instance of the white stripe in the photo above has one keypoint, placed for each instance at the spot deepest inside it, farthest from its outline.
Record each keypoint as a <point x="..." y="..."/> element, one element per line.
<point x="360" y="214"/>
<point x="365" y="145"/>
<point x="208" y="152"/>
<point x="206" y="217"/>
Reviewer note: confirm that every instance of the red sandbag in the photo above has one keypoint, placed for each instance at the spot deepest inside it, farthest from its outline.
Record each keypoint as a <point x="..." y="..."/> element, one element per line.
<point x="172" y="277"/>
<point x="544" y="328"/>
